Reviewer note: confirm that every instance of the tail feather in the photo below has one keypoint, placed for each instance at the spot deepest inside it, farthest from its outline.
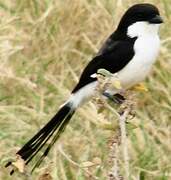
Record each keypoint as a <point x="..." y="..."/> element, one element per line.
<point x="55" y="138"/>
<point x="49" y="133"/>
<point x="42" y="134"/>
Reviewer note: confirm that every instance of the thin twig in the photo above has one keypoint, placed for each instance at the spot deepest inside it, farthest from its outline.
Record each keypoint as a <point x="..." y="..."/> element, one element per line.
<point x="114" y="173"/>
<point x="124" y="144"/>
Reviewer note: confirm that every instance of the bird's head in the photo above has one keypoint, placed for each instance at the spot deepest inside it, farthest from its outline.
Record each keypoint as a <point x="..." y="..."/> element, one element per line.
<point x="140" y="19"/>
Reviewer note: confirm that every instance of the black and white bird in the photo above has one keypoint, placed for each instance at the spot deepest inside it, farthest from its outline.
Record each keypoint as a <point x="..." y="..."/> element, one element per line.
<point x="130" y="51"/>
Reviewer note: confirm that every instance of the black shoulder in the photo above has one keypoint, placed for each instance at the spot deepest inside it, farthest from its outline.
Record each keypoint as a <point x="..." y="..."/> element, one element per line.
<point x="108" y="45"/>
<point x="113" y="56"/>
<point x="112" y="41"/>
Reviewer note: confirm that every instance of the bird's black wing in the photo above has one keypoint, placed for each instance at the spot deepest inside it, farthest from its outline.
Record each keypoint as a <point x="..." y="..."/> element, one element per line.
<point x="108" y="45"/>
<point x="113" y="56"/>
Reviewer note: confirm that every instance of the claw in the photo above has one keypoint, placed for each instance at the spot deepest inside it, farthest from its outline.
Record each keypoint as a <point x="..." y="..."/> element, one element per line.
<point x="120" y="98"/>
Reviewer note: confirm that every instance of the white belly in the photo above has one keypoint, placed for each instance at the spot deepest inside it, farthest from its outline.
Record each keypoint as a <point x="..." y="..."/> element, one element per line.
<point x="146" y="50"/>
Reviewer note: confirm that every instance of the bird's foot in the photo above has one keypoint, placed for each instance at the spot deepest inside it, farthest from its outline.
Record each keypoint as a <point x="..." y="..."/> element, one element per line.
<point x="119" y="98"/>
<point x="116" y="98"/>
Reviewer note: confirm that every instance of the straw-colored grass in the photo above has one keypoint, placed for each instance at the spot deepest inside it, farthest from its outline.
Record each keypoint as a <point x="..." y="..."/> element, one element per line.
<point x="43" y="47"/>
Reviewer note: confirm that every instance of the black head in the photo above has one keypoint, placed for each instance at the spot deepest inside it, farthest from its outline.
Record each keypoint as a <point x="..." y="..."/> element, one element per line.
<point x="140" y="12"/>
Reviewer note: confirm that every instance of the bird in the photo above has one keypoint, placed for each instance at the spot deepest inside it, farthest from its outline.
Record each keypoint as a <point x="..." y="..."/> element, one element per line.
<point x="130" y="51"/>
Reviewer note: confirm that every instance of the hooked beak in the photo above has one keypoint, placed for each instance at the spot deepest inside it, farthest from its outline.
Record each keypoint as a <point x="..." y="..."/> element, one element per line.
<point x="156" y="20"/>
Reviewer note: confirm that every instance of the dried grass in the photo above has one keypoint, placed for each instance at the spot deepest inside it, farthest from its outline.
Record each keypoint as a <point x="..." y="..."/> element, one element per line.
<point x="43" y="47"/>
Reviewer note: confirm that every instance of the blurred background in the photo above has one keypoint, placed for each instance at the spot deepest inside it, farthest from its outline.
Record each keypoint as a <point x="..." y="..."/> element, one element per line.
<point x="44" y="45"/>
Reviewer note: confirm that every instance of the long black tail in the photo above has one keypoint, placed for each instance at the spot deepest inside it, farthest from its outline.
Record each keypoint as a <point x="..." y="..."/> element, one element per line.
<point x="47" y="135"/>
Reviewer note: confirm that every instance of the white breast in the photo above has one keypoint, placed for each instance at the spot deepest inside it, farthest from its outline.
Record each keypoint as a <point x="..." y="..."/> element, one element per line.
<point x="146" y="49"/>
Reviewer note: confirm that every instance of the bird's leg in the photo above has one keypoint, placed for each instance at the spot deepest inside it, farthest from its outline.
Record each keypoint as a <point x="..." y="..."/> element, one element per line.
<point x="116" y="98"/>
<point x="119" y="97"/>
<point x="109" y="81"/>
